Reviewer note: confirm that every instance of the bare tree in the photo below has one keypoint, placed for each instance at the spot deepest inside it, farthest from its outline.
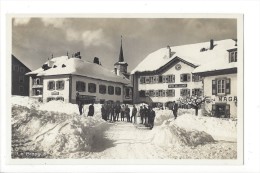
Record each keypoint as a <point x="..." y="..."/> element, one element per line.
<point x="194" y="101"/>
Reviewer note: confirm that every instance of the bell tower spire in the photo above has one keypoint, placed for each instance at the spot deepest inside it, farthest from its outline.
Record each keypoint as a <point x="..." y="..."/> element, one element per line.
<point x="120" y="67"/>
<point x="121" y="54"/>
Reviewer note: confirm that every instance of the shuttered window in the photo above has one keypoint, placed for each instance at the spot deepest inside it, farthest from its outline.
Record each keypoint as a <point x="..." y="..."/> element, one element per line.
<point x="151" y="93"/>
<point x="160" y="79"/>
<point x="147" y="79"/>
<point x="142" y="79"/>
<point x="196" y="78"/>
<point x="156" y="93"/>
<point x="147" y="93"/>
<point x="171" y="78"/>
<point x="170" y="93"/>
<point x="196" y="92"/>
<point x="60" y="85"/>
<point x="160" y="93"/>
<point x="233" y="56"/>
<point x="163" y="93"/>
<point x="151" y="79"/>
<point x="185" y="92"/>
<point x="221" y="86"/>
<point x="51" y="85"/>
<point x="185" y="77"/>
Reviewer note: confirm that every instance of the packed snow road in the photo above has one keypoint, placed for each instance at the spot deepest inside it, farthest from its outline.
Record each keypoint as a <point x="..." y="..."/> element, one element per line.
<point x="127" y="141"/>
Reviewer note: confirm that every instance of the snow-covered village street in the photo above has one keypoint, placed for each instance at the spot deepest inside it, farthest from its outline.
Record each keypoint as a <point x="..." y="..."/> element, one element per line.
<point x="56" y="130"/>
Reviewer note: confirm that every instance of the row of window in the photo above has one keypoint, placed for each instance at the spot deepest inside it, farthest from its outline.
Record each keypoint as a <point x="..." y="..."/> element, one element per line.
<point x="81" y="87"/>
<point x="169" y="92"/>
<point x="59" y="85"/>
<point x="18" y="69"/>
<point x="186" y="77"/>
<point x="103" y="89"/>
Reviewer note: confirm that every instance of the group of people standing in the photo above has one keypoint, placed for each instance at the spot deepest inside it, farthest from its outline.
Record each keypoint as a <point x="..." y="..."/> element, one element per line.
<point x="147" y="116"/>
<point x="111" y="112"/>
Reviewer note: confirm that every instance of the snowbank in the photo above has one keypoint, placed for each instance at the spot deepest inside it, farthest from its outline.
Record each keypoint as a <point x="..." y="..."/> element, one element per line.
<point x="52" y="131"/>
<point x="219" y="129"/>
<point x="170" y="135"/>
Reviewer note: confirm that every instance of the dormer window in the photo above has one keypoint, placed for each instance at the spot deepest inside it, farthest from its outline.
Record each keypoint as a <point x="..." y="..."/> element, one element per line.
<point x="232" y="55"/>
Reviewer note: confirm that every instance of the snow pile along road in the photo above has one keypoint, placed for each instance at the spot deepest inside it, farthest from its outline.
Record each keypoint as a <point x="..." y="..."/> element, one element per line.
<point x="190" y="129"/>
<point x="56" y="134"/>
<point x="170" y="135"/>
<point x="219" y="129"/>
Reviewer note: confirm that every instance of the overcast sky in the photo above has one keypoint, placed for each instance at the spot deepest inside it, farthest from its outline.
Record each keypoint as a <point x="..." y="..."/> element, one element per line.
<point x="34" y="40"/>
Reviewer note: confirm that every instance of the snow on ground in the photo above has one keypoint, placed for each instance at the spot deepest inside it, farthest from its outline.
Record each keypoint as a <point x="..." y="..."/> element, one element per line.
<point x="56" y="130"/>
<point x="219" y="129"/>
<point x="46" y="128"/>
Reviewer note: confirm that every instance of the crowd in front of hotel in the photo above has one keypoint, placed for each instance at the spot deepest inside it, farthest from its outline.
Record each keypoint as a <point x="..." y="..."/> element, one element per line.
<point x="117" y="112"/>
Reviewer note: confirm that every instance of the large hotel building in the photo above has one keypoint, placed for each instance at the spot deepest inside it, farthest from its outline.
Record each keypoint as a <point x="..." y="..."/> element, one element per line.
<point x="204" y="69"/>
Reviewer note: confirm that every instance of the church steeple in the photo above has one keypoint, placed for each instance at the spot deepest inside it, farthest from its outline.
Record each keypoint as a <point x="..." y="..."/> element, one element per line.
<point x="121" y="54"/>
<point x="120" y="67"/>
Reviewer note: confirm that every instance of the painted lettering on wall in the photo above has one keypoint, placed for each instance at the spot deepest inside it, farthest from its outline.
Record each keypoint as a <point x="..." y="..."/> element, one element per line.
<point x="55" y="93"/>
<point x="227" y="99"/>
<point x="177" y="85"/>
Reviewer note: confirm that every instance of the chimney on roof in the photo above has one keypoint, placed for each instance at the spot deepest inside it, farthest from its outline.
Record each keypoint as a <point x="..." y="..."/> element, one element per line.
<point x="115" y="70"/>
<point x="96" y="60"/>
<point x="211" y="46"/>
<point x="170" y="51"/>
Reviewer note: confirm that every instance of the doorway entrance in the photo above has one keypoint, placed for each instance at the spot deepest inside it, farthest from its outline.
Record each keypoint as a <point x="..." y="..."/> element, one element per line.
<point x="221" y="110"/>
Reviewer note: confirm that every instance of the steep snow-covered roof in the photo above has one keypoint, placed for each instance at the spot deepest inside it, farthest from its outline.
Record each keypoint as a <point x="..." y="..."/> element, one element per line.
<point x="191" y="53"/>
<point x="64" y="65"/>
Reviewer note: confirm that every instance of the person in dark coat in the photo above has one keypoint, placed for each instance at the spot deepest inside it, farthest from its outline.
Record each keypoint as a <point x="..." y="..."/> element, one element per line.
<point x="175" y="109"/>
<point x="122" y="113"/>
<point x="80" y="105"/>
<point x="112" y="112"/>
<point x="134" y="111"/>
<point x="117" y="111"/>
<point x="145" y="115"/>
<point x="141" y="112"/>
<point x="103" y="113"/>
<point x="77" y="98"/>
<point x="107" y="107"/>
<point x="127" y="112"/>
<point x="91" y="110"/>
<point x="151" y="117"/>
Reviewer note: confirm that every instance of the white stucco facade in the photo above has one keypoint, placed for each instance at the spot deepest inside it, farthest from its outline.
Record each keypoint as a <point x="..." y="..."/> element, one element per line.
<point x="222" y="99"/>
<point x="56" y="93"/>
<point x="97" y="94"/>
<point x="175" y="85"/>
